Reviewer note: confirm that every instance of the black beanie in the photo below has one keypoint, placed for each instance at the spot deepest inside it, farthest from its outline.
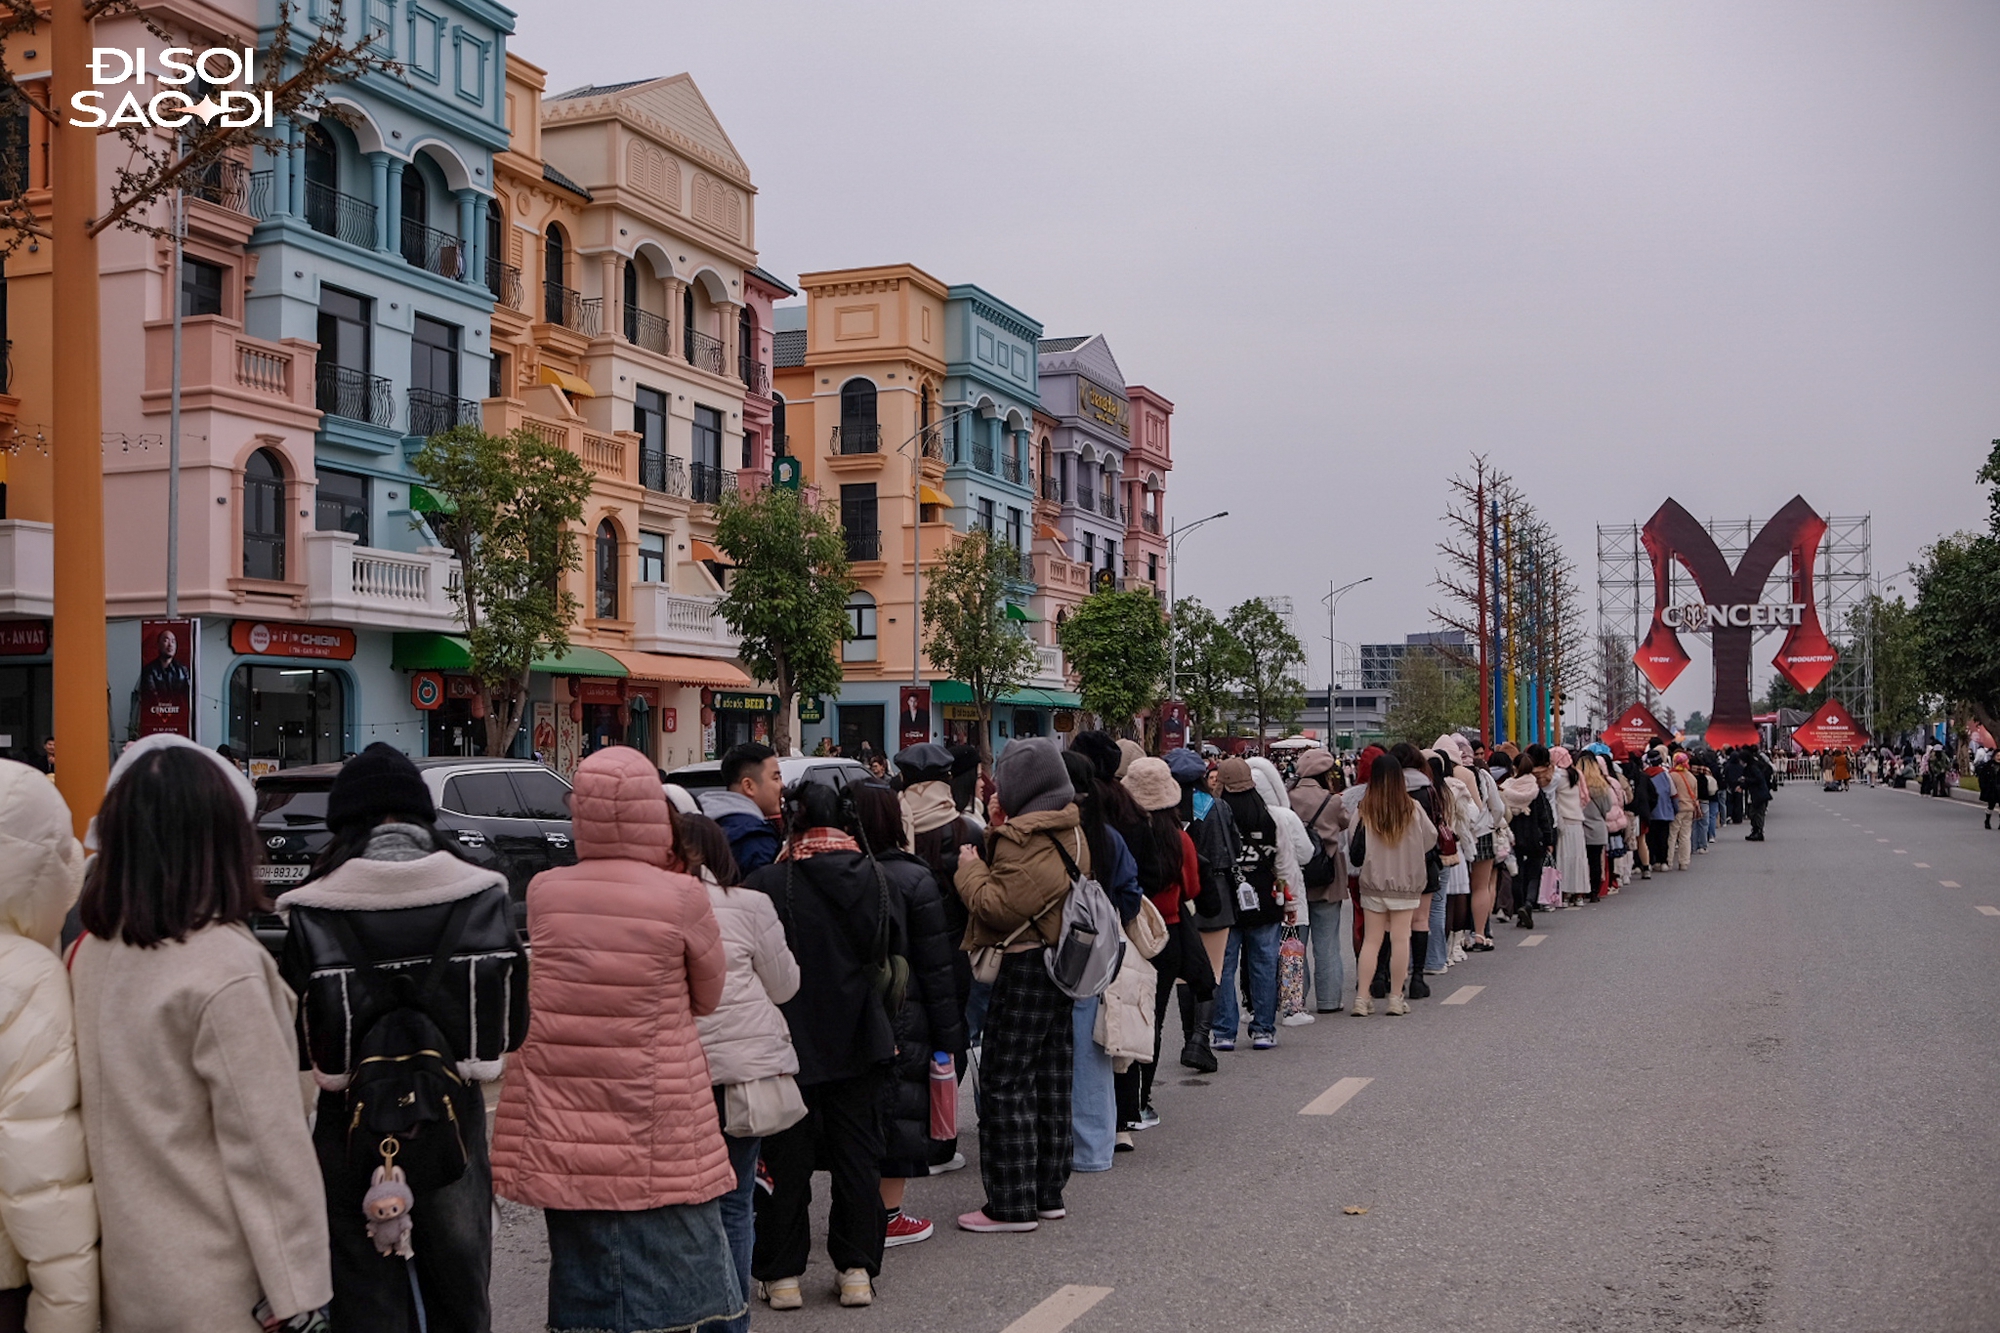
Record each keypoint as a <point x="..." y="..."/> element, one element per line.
<point x="1102" y="752"/>
<point x="378" y="783"/>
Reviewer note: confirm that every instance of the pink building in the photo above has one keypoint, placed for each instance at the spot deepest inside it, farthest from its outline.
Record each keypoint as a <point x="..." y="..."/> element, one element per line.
<point x="1147" y="464"/>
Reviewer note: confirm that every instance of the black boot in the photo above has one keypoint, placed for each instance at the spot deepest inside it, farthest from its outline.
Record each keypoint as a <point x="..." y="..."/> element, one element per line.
<point x="1379" y="985"/>
<point x="1196" y="1015"/>
<point x="1420" y="947"/>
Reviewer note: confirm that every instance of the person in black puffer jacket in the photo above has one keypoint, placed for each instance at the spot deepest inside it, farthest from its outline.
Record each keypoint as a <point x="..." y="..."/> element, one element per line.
<point x="390" y="886"/>
<point x="930" y="1020"/>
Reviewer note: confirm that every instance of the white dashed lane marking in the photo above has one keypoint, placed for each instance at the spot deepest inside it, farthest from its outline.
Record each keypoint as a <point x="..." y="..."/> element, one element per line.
<point x="1463" y="995"/>
<point x="1922" y="865"/>
<point x="1059" y="1311"/>
<point x="1989" y="911"/>
<point x="1949" y="883"/>
<point x="1881" y="840"/>
<point x="1532" y="941"/>
<point x="1335" y="1097"/>
<point x="1901" y="852"/>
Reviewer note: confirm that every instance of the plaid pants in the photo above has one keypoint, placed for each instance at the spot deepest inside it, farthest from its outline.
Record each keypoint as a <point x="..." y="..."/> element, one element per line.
<point x="1026" y="1053"/>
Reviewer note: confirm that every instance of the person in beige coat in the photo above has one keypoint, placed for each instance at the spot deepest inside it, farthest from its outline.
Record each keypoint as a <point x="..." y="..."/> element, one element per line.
<point x="213" y="1213"/>
<point x="48" y="1211"/>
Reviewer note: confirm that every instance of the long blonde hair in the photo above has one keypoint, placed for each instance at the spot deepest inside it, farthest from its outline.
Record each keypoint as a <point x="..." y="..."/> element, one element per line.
<point x="1594" y="778"/>
<point x="1386" y="805"/>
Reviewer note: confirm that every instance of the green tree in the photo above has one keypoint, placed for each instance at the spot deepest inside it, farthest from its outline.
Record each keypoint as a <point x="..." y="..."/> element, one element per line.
<point x="1116" y="643"/>
<point x="1955" y="627"/>
<point x="1697" y="724"/>
<point x="1208" y="667"/>
<point x="1270" y="658"/>
<point x="787" y="596"/>
<point x="967" y="634"/>
<point x="1901" y="702"/>
<point x="1431" y="698"/>
<point x="512" y="506"/>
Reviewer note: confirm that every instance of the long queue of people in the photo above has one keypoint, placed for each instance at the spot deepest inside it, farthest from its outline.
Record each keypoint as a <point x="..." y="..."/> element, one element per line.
<point x="717" y="1008"/>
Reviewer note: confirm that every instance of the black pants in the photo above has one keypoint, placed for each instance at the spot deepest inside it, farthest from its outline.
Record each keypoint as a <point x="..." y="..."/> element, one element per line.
<point x="841" y="1135"/>
<point x="1757" y="809"/>
<point x="1027" y="1058"/>
<point x="1595" y="855"/>
<point x="451" y="1232"/>
<point x="1658" y="831"/>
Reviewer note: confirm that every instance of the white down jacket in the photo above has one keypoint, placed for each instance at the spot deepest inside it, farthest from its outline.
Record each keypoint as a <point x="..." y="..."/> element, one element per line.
<point x="1295" y="845"/>
<point x="747" y="1037"/>
<point x="48" y="1209"/>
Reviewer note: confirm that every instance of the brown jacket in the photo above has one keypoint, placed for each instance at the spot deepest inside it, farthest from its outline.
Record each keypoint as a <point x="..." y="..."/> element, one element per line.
<point x="1308" y="799"/>
<point x="1022" y="875"/>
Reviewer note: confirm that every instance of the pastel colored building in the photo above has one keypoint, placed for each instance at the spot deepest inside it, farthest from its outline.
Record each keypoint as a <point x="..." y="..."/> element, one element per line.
<point x="1083" y="392"/>
<point x="1147" y="464"/>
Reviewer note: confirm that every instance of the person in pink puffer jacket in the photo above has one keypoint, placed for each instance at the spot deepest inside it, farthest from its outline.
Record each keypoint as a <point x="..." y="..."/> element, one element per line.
<point x="607" y="1121"/>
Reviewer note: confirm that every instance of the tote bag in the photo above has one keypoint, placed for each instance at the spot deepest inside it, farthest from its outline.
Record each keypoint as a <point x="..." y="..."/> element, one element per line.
<point x="1551" y="887"/>
<point x="762" y="1107"/>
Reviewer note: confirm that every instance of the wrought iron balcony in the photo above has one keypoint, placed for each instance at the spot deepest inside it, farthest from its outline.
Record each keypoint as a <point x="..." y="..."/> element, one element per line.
<point x="663" y="473"/>
<point x="647" y="330"/>
<point x="432" y="412"/>
<point x="703" y="352"/>
<point x="863" y="545"/>
<point x="982" y="457"/>
<point x="709" y="483"/>
<point x="504" y="281"/>
<point x="341" y="216"/>
<point x="432" y="250"/>
<point x="1010" y="468"/>
<point x="224" y="182"/>
<point x="756" y="376"/>
<point x="1051" y="488"/>
<point x="1107" y="505"/>
<point x="858" y="439"/>
<point x="566" y="306"/>
<point x="933" y="442"/>
<point x="1086" y="498"/>
<point x="1149" y="522"/>
<point x="342" y="391"/>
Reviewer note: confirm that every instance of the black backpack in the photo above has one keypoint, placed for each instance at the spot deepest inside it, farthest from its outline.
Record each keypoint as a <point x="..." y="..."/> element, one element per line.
<point x="1321" y="870"/>
<point x="404" y="1092"/>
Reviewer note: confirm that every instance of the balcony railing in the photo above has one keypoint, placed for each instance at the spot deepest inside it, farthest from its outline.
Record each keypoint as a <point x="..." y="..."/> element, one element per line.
<point x="756" y="376"/>
<point x="341" y="216"/>
<point x="566" y="306"/>
<point x="703" y="352"/>
<point x="263" y="370"/>
<point x="663" y="473"/>
<point x="1010" y="468"/>
<point x="342" y="391"/>
<point x="1051" y="488"/>
<point x="933" y="442"/>
<point x="861" y="439"/>
<point x="352" y="584"/>
<point x="1016" y="564"/>
<point x="504" y="281"/>
<point x="224" y="182"/>
<point x="1107" y="505"/>
<point x="432" y="411"/>
<point x="668" y="622"/>
<point x="863" y="545"/>
<point x="604" y="455"/>
<point x="432" y="250"/>
<point x="647" y="330"/>
<point x="1086" y="498"/>
<point x="1149" y="522"/>
<point x="709" y="483"/>
<point x="982" y="457"/>
<point x="1048" y="666"/>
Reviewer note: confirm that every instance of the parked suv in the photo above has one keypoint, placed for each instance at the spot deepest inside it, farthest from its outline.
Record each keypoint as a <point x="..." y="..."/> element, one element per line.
<point x="835" y="773"/>
<point x="510" y="814"/>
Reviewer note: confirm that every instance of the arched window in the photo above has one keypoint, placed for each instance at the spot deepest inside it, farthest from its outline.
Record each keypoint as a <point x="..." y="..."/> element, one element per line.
<point x="555" y="290"/>
<point x="860" y="644"/>
<point x="607" y="571"/>
<point x="746" y="347"/>
<point x="322" y="158"/>
<point x="859" y="433"/>
<point x="687" y="323"/>
<point x="781" y="443"/>
<point x="924" y="407"/>
<point x="416" y="199"/>
<point x="263" y="517"/>
<point x="630" y="298"/>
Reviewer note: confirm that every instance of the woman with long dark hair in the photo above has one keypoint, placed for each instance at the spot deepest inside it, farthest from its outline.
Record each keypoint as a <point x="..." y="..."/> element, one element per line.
<point x="1390" y="845"/>
<point x="384" y="898"/>
<point x="210" y="1199"/>
<point x="1170" y="873"/>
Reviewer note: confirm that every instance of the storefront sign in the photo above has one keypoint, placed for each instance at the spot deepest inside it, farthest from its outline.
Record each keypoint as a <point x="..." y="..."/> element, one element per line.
<point x="264" y="639"/>
<point x="1633" y="732"/>
<point x="960" y="713"/>
<point x="543" y="733"/>
<point x="1730" y="609"/>
<point x="24" y="638"/>
<point x="670" y="719"/>
<point x="166" y="677"/>
<point x="593" y="691"/>
<point x="427" y="690"/>
<point x="731" y="701"/>
<point x="913" y="716"/>
<point x="812" y="708"/>
<point x="461" y="687"/>
<point x="1065" y="721"/>
<point x="1103" y="406"/>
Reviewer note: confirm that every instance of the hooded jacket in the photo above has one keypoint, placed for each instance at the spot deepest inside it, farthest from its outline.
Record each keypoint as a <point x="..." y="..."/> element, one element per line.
<point x="753" y="838"/>
<point x="931" y="1018"/>
<point x="396" y="899"/>
<point x="608" y="1104"/>
<point x="1022" y="877"/>
<point x="745" y="1036"/>
<point x="48" y="1208"/>
<point x="1295" y="845"/>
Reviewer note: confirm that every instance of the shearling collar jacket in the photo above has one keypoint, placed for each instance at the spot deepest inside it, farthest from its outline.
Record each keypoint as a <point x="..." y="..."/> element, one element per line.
<point x="1022" y="877"/>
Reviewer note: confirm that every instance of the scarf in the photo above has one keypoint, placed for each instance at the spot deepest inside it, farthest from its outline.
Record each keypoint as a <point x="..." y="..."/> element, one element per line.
<point x="1520" y="792"/>
<point x="927" y="806"/>
<point x="815" y="841"/>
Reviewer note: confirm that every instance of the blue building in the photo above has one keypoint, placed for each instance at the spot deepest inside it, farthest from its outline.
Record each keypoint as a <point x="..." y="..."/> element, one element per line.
<point x="990" y="395"/>
<point x="374" y="239"/>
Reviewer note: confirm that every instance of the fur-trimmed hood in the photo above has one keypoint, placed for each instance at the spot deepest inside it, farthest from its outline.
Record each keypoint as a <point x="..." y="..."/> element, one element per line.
<point x="41" y="862"/>
<point x="378" y="886"/>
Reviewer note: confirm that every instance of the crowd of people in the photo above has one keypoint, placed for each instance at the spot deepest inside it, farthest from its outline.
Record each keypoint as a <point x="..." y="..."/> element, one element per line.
<point x="727" y="997"/>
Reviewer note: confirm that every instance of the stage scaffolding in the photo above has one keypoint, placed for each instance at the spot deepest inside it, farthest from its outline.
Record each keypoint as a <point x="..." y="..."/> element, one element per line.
<point x="1843" y="584"/>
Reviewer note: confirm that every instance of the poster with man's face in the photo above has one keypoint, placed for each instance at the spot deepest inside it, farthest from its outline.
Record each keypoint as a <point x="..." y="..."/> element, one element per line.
<point x="913" y="716"/>
<point x="166" y="677"/>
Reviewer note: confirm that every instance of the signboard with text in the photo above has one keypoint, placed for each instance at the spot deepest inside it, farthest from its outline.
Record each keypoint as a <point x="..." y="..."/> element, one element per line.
<point x="1635" y="729"/>
<point x="913" y="716"/>
<point x="263" y="638"/>
<point x="1831" y="727"/>
<point x="166" y="677"/>
<point x="24" y="638"/>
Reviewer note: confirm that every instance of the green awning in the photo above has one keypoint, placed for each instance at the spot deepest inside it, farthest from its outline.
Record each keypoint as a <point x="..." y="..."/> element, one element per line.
<point x="957" y="692"/>
<point x="1058" y="698"/>
<point x="1019" y="614"/>
<point x="424" y="502"/>
<point x="449" y="652"/>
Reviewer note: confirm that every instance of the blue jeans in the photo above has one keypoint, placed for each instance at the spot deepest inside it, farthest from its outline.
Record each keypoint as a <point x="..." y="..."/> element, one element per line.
<point x="1258" y="946"/>
<point x="1701" y="829"/>
<point x="1332" y="946"/>
<point x="1439" y="951"/>
<point x="626" y="1272"/>
<point x="1093" y="1096"/>
<point x="739" y="1217"/>
<point x="1714" y="817"/>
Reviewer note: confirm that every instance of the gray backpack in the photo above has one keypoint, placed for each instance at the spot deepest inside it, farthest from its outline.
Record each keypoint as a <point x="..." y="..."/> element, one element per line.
<point x="1091" y="947"/>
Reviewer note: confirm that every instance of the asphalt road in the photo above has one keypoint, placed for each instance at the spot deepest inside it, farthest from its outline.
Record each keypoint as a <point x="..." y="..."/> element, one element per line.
<point x="1762" y="1094"/>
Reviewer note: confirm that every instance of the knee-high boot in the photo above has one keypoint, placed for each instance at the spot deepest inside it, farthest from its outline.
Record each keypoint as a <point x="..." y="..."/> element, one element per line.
<point x="1196" y="1015"/>
<point x="1378" y="986"/>
<point x="1420" y="947"/>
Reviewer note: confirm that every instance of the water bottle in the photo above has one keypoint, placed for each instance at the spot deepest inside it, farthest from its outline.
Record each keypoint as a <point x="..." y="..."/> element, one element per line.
<point x="944" y="1096"/>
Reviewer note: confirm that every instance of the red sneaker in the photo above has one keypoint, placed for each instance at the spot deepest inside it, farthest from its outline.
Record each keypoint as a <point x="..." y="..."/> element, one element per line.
<point x="906" y="1230"/>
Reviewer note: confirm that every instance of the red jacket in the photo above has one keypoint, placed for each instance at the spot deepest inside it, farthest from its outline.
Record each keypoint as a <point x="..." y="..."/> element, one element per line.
<point x="1184" y="890"/>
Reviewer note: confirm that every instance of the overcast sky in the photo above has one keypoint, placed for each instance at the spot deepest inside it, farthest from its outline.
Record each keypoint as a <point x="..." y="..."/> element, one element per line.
<point x="1725" y="252"/>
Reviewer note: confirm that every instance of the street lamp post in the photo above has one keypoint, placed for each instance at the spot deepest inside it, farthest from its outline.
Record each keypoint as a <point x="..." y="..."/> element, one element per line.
<point x="1175" y="535"/>
<point x="1332" y="600"/>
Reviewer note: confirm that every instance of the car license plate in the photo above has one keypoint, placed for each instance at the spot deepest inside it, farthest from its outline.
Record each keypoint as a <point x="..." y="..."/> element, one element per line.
<point x="282" y="874"/>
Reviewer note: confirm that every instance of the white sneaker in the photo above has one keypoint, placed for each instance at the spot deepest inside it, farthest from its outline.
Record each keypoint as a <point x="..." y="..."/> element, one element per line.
<point x="855" y="1288"/>
<point x="957" y="1163"/>
<point x="783" y="1293"/>
<point x="1457" y="954"/>
<point x="1364" y="1005"/>
<point x="1297" y="1020"/>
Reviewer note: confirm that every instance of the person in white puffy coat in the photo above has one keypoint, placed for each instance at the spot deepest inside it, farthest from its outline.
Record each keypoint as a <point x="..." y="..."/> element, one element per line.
<point x="48" y="1208"/>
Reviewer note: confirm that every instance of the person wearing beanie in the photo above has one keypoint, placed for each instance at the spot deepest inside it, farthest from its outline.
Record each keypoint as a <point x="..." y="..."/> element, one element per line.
<point x="1101" y="750"/>
<point x="1014" y="893"/>
<point x="1316" y="800"/>
<point x="1130" y="752"/>
<point x="390" y="889"/>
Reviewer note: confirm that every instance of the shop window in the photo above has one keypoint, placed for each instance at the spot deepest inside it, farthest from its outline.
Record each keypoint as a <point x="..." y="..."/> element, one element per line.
<point x="861" y="642"/>
<point x="286" y="716"/>
<point x="263" y="517"/>
<point x="607" y="571"/>
<point x="652" y="557"/>
<point x="341" y="504"/>
<point x="861" y="729"/>
<point x="201" y="287"/>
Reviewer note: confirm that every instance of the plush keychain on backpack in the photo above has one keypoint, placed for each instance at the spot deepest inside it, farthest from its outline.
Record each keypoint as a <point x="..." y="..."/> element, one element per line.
<point x="387" y="1206"/>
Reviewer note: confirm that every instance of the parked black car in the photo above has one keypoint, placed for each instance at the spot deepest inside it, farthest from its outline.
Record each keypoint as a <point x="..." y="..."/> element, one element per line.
<point x="510" y="814"/>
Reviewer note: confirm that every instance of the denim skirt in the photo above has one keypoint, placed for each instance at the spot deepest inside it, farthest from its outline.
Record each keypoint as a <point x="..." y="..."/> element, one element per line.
<point x="659" y="1270"/>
